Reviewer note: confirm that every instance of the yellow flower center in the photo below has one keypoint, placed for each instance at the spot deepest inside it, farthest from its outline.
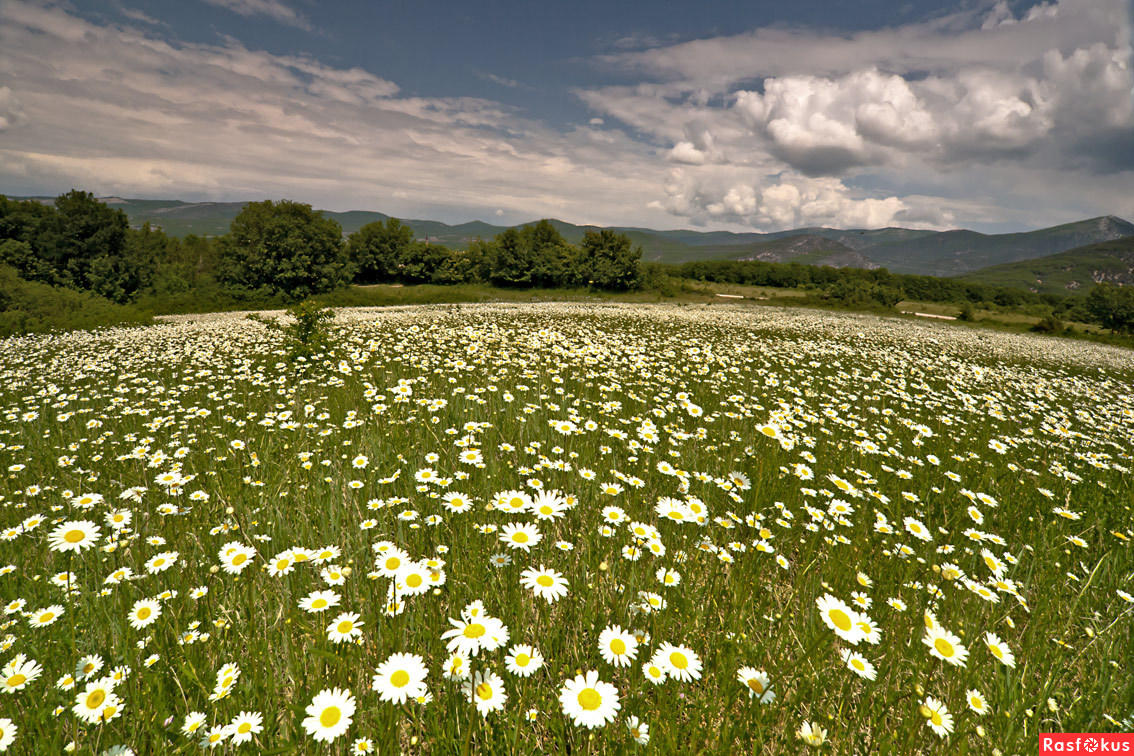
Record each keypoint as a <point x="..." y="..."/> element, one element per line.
<point x="46" y="617"/>
<point x="755" y="684"/>
<point x="74" y="536"/>
<point x="841" y="619"/>
<point x="345" y="627"/>
<point x="144" y="613"/>
<point x="520" y="537"/>
<point x="545" y="581"/>
<point x="618" y="646"/>
<point x="678" y="660"/>
<point x="318" y="603"/>
<point x="413" y="581"/>
<point x="330" y="716"/>
<point x="239" y="559"/>
<point x="590" y="699"/>
<point x="399" y="679"/>
<point x="944" y="647"/>
<point x="95" y="699"/>
<point x="15" y="680"/>
<point x="474" y="630"/>
<point x="522" y="660"/>
<point x="484" y="691"/>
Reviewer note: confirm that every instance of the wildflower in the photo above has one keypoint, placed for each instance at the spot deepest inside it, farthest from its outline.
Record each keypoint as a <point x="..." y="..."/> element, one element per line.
<point x="588" y="701"/>
<point x="329" y="715"/>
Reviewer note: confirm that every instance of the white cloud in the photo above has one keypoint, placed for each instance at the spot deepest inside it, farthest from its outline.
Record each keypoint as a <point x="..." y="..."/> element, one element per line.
<point x="788" y="201"/>
<point x="970" y="119"/>
<point x="501" y="80"/>
<point x="121" y="111"/>
<point x="931" y="102"/>
<point x="685" y="152"/>
<point x="11" y="112"/>
<point x="273" y="9"/>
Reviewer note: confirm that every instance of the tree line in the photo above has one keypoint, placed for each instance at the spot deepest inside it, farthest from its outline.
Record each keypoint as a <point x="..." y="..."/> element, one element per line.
<point x="286" y="249"/>
<point x="283" y="251"/>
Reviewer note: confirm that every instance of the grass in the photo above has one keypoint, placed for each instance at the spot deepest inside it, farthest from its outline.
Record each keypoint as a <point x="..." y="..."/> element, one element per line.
<point x="783" y="438"/>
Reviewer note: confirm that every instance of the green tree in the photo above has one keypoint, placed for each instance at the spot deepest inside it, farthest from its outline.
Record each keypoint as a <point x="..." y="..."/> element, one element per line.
<point x="25" y="221"/>
<point x="120" y="277"/>
<point x="478" y="260"/>
<point x="24" y="261"/>
<point x="85" y="245"/>
<point x="284" y="248"/>
<point x="610" y="261"/>
<point x="377" y="249"/>
<point x="1112" y="307"/>
<point x="511" y="260"/>
<point x="80" y="243"/>
<point x="554" y="262"/>
<point x="422" y="262"/>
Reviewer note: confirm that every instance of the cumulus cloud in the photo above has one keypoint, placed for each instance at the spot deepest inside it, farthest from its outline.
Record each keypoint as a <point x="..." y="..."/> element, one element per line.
<point x="1051" y="89"/>
<point x="780" y="202"/>
<point x="974" y="118"/>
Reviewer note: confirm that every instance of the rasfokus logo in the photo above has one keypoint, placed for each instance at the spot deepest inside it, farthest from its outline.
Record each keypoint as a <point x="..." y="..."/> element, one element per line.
<point x="1086" y="742"/>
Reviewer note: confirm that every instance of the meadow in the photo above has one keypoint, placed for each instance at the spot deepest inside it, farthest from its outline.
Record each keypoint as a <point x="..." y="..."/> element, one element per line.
<point x="567" y="528"/>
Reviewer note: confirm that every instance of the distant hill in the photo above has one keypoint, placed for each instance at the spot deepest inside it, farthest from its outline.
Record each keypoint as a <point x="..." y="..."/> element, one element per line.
<point x="901" y="250"/>
<point x="951" y="253"/>
<point x="808" y="249"/>
<point x="1076" y="270"/>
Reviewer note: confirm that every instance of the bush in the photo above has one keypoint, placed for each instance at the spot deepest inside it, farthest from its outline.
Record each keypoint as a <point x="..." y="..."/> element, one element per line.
<point x="1049" y="324"/>
<point x="30" y="306"/>
<point x="860" y="293"/>
<point x="307" y="336"/>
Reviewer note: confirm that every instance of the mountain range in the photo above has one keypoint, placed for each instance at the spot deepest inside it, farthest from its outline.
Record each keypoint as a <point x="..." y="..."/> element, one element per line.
<point x="984" y="257"/>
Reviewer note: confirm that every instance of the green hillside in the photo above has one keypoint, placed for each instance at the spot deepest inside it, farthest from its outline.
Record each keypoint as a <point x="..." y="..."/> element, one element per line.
<point x="952" y="253"/>
<point x="901" y="250"/>
<point x="806" y="249"/>
<point x="1076" y="270"/>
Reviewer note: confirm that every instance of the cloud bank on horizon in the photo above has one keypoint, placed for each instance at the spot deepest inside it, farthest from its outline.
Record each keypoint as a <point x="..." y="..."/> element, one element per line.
<point x="994" y="118"/>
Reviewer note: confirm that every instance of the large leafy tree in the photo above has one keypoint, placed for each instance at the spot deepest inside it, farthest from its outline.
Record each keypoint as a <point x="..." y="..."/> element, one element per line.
<point x="1112" y="306"/>
<point x="511" y="260"/>
<point x="376" y="250"/>
<point x="80" y="243"/>
<point x="610" y="261"/>
<point x="284" y="248"/>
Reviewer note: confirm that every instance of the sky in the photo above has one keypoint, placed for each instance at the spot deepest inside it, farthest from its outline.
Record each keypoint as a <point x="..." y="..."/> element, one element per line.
<point x="994" y="115"/>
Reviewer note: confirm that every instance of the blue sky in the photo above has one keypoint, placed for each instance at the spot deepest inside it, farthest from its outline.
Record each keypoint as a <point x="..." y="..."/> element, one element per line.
<point x="991" y="115"/>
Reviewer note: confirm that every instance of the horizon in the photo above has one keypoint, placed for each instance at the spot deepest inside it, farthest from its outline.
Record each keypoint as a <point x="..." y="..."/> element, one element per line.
<point x="996" y="116"/>
<point x="407" y="220"/>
